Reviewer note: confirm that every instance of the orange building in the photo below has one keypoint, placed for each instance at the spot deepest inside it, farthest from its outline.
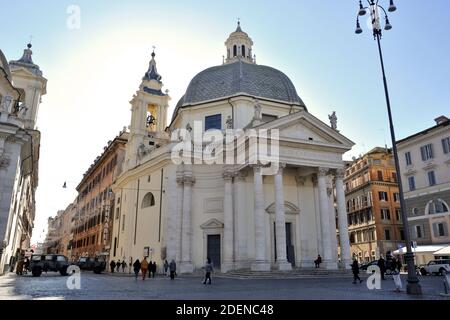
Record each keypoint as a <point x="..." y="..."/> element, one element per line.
<point x="93" y="223"/>
<point x="373" y="205"/>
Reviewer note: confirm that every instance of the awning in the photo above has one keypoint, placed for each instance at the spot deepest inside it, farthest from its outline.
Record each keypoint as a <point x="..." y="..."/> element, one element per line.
<point x="422" y="249"/>
<point x="443" y="252"/>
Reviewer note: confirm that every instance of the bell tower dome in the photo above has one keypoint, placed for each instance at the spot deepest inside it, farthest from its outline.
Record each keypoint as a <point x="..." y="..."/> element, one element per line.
<point x="239" y="46"/>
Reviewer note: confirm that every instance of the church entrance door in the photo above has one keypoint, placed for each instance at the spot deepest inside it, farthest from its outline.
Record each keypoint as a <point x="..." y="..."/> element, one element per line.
<point x="290" y="250"/>
<point x="213" y="250"/>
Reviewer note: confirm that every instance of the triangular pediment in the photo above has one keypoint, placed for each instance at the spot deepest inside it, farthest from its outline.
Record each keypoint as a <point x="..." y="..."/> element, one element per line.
<point x="289" y="208"/>
<point x="212" y="224"/>
<point x="302" y="126"/>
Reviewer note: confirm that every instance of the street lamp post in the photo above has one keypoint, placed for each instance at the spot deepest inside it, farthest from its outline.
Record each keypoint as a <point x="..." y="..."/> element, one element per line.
<point x="413" y="286"/>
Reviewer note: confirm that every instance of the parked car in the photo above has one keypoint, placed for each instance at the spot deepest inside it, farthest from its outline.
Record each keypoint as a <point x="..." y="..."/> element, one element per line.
<point x="48" y="262"/>
<point x="441" y="267"/>
<point x="96" y="264"/>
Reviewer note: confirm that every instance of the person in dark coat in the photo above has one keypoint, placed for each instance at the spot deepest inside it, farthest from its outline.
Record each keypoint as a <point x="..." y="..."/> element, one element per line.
<point x="154" y="269"/>
<point x="112" y="264"/>
<point x="318" y="261"/>
<point x="118" y="265"/>
<point x="124" y="265"/>
<point x="355" y="270"/>
<point x="382" y="265"/>
<point x="136" y="268"/>
<point x="172" y="269"/>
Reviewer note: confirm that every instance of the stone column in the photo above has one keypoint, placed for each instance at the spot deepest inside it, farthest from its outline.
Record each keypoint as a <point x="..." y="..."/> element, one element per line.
<point x="186" y="236"/>
<point x="324" y="215"/>
<point x="240" y="222"/>
<point x="342" y="219"/>
<point x="228" y="229"/>
<point x="280" y="221"/>
<point x="260" y="263"/>
<point x="179" y="217"/>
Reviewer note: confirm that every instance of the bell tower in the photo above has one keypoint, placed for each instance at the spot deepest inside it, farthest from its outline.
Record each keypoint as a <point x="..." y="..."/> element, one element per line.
<point x="27" y="77"/>
<point x="239" y="46"/>
<point x="149" y="116"/>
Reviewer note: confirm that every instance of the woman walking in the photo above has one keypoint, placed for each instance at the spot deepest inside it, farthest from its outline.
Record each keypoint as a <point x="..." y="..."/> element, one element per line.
<point x="144" y="267"/>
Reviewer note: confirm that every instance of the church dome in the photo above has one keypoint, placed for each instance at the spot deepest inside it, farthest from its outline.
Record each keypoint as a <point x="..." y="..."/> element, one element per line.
<point x="241" y="78"/>
<point x="239" y="75"/>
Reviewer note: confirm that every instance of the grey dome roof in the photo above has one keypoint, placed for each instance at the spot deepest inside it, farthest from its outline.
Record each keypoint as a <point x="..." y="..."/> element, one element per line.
<point x="241" y="77"/>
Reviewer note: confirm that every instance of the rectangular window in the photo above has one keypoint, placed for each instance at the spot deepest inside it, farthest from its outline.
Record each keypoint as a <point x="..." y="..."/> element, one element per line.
<point x="427" y="152"/>
<point x="396" y="197"/>
<point x="380" y="175"/>
<point x="412" y="184"/>
<point x="387" y="234"/>
<point x="402" y="234"/>
<point x="213" y="122"/>
<point x="383" y="196"/>
<point x="394" y="176"/>
<point x="268" y="117"/>
<point x="398" y="214"/>
<point x="123" y="223"/>
<point x="117" y="213"/>
<point x="431" y="178"/>
<point x="441" y="230"/>
<point x="418" y="232"/>
<point x="385" y="214"/>
<point x="446" y="145"/>
<point x="408" y="158"/>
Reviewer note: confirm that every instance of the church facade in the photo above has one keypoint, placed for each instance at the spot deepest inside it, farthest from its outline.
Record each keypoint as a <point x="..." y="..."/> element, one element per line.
<point x="21" y="87"/>
<point x="266" y="198"/>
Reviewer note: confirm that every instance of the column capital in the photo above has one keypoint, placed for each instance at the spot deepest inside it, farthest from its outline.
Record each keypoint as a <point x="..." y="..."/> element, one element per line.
<point x="322" y="172"/>
<point x="188" y="180"/>
<point x="228" y="175"/>
<point x="340" y="173"/>
<point x="180" y="180"/>
<point x="281" y="166"/>
<point x="240" y="175"/>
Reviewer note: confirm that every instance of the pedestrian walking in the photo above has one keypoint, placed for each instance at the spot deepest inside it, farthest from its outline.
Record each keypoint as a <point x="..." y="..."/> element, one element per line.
<point x="355" y="270"/>
<point x="397" y="280"/>
<point x="118" y="265"/>
<point x="208" y="269"/>
<point x="136" y="268"/>
<point x="144" y="267"/>
<point x="124" y="265"/>
<point x="112" y="264"/>
<point x="153" y="269"/>
<point x="166" y="267"/>
<point x="382" y="265"/>
<point x="318" y="261"/>
<point x="173" y="269"/>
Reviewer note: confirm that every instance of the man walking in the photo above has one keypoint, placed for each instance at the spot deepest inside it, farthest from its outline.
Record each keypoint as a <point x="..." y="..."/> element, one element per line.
<point x="173" y="269"/>
<point x="208" y="269"/>
<point x="144" y="267"/>
<point x="382" y="265"/>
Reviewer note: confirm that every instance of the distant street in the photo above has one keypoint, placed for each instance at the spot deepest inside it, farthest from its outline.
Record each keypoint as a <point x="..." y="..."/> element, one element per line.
<point x="124" y="286"/>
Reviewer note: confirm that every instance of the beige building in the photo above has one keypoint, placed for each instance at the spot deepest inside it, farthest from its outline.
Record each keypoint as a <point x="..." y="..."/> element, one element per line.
<point x="242" y="214"/>
<point x="425" y="168"/>
<point x="373" y="205"/>
<point x="21" y="87"/>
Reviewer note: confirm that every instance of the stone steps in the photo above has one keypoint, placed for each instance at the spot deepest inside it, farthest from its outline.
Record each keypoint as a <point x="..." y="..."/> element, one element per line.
<point x="293" y="274"/>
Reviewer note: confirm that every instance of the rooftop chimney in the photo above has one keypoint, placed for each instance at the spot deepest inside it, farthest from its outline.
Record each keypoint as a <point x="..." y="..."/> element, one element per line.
<point x="440" y="120"/>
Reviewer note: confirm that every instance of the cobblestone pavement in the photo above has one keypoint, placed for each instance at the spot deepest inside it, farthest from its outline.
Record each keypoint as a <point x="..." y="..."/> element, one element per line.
<point x="123" y="286"/>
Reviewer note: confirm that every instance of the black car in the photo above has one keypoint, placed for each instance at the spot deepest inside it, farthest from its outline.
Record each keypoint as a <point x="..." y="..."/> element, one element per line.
<point x="97" y="264"/>
<point x="48" y="262"/>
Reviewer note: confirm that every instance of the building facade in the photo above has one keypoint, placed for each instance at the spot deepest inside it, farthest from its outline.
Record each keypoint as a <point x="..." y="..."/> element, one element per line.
<point x="373" y="205"/>
<point x="95" y="202"/>
<point x="242" y="214"/>
<point x="21" y="87"/>
<point x="425" y="168"/>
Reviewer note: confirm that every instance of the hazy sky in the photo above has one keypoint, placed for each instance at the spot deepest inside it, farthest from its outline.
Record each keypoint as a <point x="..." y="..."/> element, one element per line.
<point x="93" y="71"/>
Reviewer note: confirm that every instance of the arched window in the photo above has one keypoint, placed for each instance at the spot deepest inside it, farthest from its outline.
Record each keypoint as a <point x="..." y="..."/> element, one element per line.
<point x="234" y="51"/>
<point x="148" y="201"/>
<point x="436" y="206"/>
<point x="243" y="50"/>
